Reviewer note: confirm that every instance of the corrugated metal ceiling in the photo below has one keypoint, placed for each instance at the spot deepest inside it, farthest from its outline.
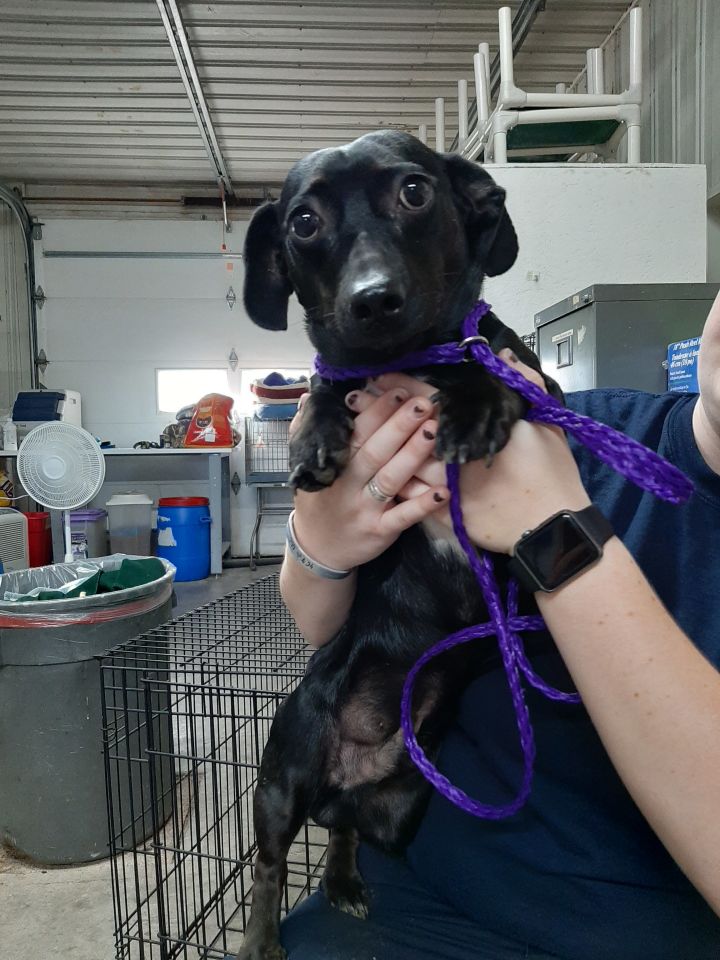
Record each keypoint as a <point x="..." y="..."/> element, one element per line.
<point x="90" y="91"/>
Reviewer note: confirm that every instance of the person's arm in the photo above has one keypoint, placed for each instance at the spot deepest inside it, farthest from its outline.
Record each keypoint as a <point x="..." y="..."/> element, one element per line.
<point x="343" y="527"/>
<point x="654" y="700"/>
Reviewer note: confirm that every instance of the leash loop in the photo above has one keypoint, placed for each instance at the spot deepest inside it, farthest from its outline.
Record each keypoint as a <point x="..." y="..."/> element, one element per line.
<point x="644" y="467"/>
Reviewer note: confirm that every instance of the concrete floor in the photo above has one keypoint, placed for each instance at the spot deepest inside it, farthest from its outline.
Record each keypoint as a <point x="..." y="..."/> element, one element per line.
<point x="65" y="913"/>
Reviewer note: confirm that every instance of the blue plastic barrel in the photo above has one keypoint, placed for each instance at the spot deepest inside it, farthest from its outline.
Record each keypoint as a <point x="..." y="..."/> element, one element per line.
<point x="183" y="526"/>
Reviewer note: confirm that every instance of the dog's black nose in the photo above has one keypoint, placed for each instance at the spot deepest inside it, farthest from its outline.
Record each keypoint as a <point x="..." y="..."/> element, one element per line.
<point x="377" y="302"/>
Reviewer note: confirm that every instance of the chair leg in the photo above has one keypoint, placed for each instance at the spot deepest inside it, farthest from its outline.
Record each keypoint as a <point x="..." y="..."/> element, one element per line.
<point x="633" y="142"/>
<point x="500" y="146"/>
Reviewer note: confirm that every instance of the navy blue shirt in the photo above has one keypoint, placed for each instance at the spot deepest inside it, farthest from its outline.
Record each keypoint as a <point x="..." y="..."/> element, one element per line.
<point x="578" y="872"/>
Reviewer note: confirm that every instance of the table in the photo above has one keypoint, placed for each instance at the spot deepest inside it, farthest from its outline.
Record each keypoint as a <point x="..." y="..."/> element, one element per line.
<point x="167" y="463"/>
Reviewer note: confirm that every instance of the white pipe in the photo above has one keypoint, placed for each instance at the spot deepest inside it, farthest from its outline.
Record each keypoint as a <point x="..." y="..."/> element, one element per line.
<point x="590" y="71"/>
<point x="575" y="100"/>
<point x="481" y="90"/>
<point x="422" y="133"/>
<point x="500" y="146"/>
<point x="440" y="124"/>
<point x="484" y="49"/>
<point x="560" y="114"/>
<point x="598" y="70"/>
<point x="507" y="76"/>
<point x="561" y="88"/>
<point x="462" y="114"/>
<point x="636" y="47"/>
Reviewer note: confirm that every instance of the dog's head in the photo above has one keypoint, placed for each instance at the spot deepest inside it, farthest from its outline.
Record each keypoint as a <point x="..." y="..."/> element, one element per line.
<point x="384" y="241"/>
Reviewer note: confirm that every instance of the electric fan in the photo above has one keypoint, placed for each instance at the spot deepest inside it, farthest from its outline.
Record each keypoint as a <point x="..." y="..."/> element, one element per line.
<point x="62" y="467"/>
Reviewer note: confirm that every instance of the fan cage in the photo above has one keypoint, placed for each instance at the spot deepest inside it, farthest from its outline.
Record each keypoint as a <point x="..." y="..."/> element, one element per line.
<point x="80" y="456"/>
<point x="187" y="710"/>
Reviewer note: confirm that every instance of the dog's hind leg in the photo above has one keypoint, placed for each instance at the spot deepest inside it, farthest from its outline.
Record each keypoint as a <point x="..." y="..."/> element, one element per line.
<point x="342" y="883"/>
<point x="278" y="818"/>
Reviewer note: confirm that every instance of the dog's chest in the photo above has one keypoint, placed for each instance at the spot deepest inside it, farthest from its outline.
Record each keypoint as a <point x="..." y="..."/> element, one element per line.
<point x="443" y="542"/>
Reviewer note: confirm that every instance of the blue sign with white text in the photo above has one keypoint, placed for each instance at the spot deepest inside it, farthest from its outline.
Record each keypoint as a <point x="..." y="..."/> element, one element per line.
<point x="682" y="365"/>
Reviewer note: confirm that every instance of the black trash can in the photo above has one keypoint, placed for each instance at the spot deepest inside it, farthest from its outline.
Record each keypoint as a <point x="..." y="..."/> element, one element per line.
<point x="52" y="773"/>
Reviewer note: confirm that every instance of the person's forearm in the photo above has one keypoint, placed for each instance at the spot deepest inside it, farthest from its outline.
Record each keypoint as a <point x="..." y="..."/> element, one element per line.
<point x="319" y="607"/>
<point x="655" y="702"/>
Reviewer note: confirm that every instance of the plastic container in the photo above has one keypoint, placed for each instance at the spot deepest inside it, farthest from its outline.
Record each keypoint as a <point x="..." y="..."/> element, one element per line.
<point x="52" y="789"/>
<point x="130" y="522"/>
<point x="88" y="533"/>
<point x="39" y="539"/>
<point x="183" y="532"/>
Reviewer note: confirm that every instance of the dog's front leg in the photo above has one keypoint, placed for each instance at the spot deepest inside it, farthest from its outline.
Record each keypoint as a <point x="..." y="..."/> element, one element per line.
<point x="342" y="882"/>
<point x="320" y="446"/>
<point x="477" y="413"/>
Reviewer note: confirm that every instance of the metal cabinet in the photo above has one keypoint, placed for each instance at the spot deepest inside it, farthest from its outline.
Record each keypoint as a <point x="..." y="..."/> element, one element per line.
<point x="616" y="335"/>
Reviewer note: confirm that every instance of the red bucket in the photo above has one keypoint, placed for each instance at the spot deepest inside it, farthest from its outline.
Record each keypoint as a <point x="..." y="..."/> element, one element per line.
<point x="39" y="539"/>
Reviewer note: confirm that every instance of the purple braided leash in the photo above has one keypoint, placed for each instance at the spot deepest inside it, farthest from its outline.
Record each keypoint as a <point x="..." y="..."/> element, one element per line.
<point x="642" y="466"/>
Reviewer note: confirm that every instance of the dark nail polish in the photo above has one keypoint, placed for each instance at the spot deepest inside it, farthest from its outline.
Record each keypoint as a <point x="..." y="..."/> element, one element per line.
<point x="420" y="411"/>
<point x="438" y="497"/>
<point x="400" y="397"/>
<point x="428" y="434"/>
<point x="351" y="399"/>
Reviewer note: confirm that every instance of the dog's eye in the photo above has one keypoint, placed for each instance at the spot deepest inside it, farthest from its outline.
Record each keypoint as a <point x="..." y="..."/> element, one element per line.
<point x="415" y="193"/>
<point x="305" y="223"/>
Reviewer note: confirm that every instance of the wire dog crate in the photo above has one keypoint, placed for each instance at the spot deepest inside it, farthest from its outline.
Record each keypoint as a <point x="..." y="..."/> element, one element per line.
<point x="187" y="709"/>
<point x="266" y="450"/>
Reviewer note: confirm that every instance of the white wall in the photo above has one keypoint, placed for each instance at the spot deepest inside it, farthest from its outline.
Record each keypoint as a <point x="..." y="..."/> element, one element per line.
<point x="681" y="69"/>
<point x="585" y="223"/>
<point x="108" y="324"/>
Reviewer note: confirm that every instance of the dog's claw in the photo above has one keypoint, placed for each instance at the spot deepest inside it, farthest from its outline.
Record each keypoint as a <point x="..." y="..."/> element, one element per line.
<point x="347" y="893"/>
<point x="492" y="450"/>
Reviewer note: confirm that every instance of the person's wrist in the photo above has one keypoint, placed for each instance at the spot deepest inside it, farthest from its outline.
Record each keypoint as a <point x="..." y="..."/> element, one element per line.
<point x="315" y="542"/>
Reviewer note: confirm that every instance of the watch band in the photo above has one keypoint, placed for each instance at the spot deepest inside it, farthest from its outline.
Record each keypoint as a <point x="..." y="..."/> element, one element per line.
<point x="305" y="560"/>
<point x="594" y="526"/>
<point x="595" y="523"/>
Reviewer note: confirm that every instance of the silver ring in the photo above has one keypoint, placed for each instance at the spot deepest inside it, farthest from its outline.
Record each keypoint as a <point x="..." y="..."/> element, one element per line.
<point x="376" y="493"/>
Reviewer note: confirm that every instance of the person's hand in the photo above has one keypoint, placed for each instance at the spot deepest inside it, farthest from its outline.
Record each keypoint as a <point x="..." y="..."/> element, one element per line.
<point x="532" y="478"/>
<point x="343" y="526"/>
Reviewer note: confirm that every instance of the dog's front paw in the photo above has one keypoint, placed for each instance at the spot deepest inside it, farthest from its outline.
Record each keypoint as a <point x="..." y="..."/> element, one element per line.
<point x="261" y="951"/>
<point x="476" y="427"/>
<point x="319" y="453"/>
<point x="347" y="892"/>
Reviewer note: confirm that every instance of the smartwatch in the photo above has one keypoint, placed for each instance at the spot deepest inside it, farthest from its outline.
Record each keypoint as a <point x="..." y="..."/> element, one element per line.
<point x="559" y="549"/>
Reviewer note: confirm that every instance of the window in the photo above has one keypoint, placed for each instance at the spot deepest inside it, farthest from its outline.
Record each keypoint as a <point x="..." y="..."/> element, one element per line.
<point x="179" y="388"/>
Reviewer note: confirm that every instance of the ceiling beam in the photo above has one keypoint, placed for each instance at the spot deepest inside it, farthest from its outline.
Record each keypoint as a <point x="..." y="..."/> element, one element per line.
<point x="178" y="40"/>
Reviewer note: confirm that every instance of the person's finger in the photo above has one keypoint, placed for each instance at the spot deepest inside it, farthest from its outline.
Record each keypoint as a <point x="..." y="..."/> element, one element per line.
<point x="432" y="472"/>
<point x="384" y="442"/>
<point x="393" y="476"/>
<point x="297" y="419"/>
<point x="373" y="413"/>
<point x="413" y="488"/>
<point x="406" y="514"/>
<point x="512" y="360"/>
<point x="391" y="381"/>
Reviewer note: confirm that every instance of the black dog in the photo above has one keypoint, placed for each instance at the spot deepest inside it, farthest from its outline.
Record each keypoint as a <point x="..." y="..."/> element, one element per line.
<point x="386" y="244"/>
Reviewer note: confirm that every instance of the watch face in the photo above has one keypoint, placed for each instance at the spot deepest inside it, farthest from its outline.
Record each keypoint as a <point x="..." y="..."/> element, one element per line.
<point x="557" y="551"/>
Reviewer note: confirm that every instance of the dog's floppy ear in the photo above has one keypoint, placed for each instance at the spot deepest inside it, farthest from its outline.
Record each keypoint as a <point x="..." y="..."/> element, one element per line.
<point x="267" y="288"/>
<point x="490" y="231"/>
